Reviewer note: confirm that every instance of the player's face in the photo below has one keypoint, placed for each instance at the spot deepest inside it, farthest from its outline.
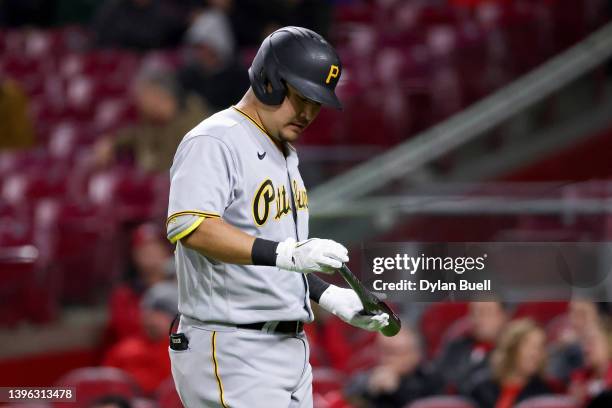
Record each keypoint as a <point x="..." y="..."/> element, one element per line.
<point x="294" y="115"/>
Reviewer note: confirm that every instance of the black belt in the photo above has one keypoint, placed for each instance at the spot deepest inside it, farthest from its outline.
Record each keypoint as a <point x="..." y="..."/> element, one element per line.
<point x="284" y="327"/>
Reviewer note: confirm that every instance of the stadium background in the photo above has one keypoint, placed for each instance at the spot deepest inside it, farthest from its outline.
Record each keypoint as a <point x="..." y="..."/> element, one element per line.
<point x="464" y="120"/>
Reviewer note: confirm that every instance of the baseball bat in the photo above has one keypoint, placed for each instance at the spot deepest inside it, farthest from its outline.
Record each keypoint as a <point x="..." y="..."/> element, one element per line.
<point x="371" y="304"/>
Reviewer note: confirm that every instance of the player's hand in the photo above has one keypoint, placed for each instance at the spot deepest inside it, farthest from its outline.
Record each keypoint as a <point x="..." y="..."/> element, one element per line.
<point x="312" y="255"/>
<point x="345" y="304"/>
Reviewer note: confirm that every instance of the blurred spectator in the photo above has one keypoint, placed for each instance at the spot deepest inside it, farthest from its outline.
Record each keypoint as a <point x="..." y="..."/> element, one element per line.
<point x="334" y="343"/>
<point x="566" y="354"/>
<point x="153" y="263"/>
<point x="16" y="129"/>
<point x="464" y="355"/>
<point x="75" y="11"/>
<point x="166" y="115"/>
<point x="515" y="371"/>
<point x="596" y="377"/>
<point x="145" y="357"/>
<point x="603" y="400"/>
<point x="17" y="13"/>
<point x="138" y="24"/>
<point x="399" y="378"/>
<point x="253" y="20"/>
<point x="212" y="71"/>
<point x="111" y="401"/>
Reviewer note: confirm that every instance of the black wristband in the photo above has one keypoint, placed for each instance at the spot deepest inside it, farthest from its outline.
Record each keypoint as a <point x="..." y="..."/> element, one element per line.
<point x="264" y="252"/>
<point x="316" y="286"/>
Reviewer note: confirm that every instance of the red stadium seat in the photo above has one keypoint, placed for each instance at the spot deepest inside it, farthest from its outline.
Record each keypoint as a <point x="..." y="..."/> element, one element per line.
<point x="18" y="274"/>
<point x="363" y="359"/>
<point x="167" y="397"/>
<point x="33" y="184"/>
<point x="15" y="224"/>
<point x="91" y="383"/>
<point x="549" y="401"/>
<point x="82" y="247"/>
<point x="437" y="319"/>
<point x="106" y="63"/>
<point x="335" y="399"/>
<point x="134" y="195"/>
<point x="319" y="401"/>
<point x="457" y="329"/>
<point x="541" y="312"/>
<point x="441" y="401"/>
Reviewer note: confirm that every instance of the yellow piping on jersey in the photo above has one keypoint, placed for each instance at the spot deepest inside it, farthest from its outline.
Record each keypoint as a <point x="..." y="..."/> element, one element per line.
<point x="216" y="365"/>
<point x="265" y="132"/>
<point x="188" y="231"/>
<point x="192" y="212"/>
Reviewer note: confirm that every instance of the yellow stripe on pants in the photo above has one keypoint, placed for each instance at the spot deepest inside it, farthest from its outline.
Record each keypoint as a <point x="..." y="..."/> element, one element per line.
<point x="214" y="358"/>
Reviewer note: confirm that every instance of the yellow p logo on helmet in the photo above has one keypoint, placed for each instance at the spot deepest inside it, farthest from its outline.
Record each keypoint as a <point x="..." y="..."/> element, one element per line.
<point x="334" y="71"/>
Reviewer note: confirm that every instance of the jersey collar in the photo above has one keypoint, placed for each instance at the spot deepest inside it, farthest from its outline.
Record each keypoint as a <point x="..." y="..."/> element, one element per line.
<point x="265" y="132"/>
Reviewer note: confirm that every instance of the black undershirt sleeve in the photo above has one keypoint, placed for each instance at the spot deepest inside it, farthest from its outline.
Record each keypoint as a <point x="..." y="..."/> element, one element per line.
<point x="317" y="286"/>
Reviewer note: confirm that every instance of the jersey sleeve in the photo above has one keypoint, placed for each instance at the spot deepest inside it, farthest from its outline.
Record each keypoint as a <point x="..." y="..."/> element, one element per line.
<point x="202" y="178"/>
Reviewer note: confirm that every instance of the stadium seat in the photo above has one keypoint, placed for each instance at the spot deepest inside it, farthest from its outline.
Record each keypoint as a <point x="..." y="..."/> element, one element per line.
<point x="335" y="399"/>
<point x="166" y="395"/>
<point x="82" y="247"/>
<point x="549" y="401"/>
<point x="457" y="329"/>
<point x="441" y="401"/>
<point x="437" y="319"/>
<point x="133" y="194"/>
<point x="319" y="400"/>
<point x="91" y="383"/>
<point x="15" y="224"/>
<point x="19" y="270"/>
<point x="541" y="312"/>
<point x="364" y="359"/>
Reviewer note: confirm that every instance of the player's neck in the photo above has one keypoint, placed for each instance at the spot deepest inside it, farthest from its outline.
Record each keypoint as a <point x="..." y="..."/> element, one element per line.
<point x="248" y="106"/>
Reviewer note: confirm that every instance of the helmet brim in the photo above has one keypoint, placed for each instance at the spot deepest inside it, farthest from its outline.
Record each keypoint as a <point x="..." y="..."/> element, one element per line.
<point x="315" y="92"/>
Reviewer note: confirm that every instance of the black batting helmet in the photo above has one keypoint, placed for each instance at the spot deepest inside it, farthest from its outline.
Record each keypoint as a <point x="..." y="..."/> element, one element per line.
<point x="301" y="58"/>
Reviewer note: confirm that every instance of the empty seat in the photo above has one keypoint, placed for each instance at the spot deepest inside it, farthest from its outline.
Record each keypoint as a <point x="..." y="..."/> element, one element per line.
<point x="91" y="383"/>
<point x="134" y="195"/>
<point x="18" y="274"/>
<point x="82" y="247"/>
<point x="166" y="395"/>
<point x="541" y="312"/>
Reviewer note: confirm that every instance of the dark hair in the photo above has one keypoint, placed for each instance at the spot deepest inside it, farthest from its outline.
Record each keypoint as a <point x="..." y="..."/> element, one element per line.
<point x="117" y="400"/>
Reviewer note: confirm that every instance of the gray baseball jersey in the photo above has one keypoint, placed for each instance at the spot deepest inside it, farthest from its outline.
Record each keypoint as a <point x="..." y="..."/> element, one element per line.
<point x="228" y="167"/>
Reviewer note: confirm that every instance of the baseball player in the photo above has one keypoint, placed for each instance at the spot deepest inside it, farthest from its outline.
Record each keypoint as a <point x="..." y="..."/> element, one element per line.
<point x="238" y="213"/>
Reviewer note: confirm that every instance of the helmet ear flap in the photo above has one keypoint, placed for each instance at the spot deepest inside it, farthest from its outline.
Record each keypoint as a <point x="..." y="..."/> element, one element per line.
<point x="263" y="73"/>
<point x="278" y="89"/>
